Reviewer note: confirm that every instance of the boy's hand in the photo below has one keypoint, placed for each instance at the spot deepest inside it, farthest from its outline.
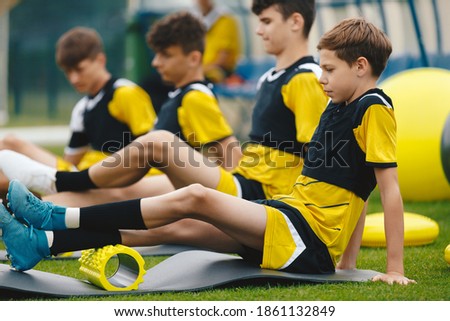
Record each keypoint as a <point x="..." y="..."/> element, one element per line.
<point x="393" y="277"/>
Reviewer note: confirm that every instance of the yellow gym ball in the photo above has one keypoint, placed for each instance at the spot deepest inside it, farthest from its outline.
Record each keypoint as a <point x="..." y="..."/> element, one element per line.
<point x="422" y="107"/>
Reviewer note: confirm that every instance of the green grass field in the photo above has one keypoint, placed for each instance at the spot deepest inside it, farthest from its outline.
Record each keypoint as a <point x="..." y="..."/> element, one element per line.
<point x="425" y="264"/>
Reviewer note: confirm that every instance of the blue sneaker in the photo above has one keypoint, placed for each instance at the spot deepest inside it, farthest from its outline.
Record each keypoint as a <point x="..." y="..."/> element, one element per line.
<point x="25" y="246"/>
<point x="32" y="211"/>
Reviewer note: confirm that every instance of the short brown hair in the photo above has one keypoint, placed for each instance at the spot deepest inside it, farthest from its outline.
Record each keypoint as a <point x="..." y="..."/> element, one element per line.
<point x="355" y="37"/>
<point x="180" y="29"/>
<point x="76" y="45"/>
<point x="306" y="8"/>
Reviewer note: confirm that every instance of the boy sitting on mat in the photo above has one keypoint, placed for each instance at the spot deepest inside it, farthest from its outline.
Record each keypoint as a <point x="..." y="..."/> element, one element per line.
<point x="306" y="231"/>
<point x="288" y="106"/>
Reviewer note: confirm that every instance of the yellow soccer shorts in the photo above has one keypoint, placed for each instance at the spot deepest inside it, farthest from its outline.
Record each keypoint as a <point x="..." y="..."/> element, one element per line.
<point x="290" y="244"/>
<point x="237" y="185"/>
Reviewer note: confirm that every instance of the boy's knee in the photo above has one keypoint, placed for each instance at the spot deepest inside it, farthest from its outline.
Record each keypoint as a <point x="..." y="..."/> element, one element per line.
<point x="157" y="147"/>
<point x="10" y="141"/>
<point x="197" y="193"/>
<point x="156" y="136"/>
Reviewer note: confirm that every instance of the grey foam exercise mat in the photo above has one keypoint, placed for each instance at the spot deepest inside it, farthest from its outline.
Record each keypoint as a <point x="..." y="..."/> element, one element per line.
<point x="157" y="250"/>
<point x="186" y="271"/>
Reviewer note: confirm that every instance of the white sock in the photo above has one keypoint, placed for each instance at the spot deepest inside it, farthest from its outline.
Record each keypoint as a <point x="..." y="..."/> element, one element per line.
<point x="50" y="237"/>
<point x="72" y="218"/>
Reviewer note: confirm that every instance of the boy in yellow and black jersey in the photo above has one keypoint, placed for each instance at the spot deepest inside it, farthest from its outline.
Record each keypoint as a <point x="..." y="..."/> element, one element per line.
<point x="104" y="123"/>
<point x="330" y="194"/>
<point x="352" y="150"/>
<point x="288" y="106"/>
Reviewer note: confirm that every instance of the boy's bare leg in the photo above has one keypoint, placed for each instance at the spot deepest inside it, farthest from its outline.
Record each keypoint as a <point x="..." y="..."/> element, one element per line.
<point x="28" y="149"/>
<point x="163" y="150"/>
<point x="187" y="232"/>
<point x="242" y="221"/>
<point x="146" y="187"/>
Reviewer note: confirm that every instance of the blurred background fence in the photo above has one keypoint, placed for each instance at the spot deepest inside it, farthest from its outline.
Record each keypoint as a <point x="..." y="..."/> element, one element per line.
<point x="38" y="91"/>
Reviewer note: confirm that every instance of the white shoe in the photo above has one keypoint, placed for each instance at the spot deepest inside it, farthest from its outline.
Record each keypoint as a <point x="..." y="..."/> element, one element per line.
<point x="36" y="176"/>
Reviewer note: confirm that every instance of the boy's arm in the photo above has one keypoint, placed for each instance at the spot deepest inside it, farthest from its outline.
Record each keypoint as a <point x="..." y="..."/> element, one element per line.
<point x="348" y="259"/>
<point x="226" y="152"/>
<point x="391" y="199"/>
<point x="203" y="124"/>
<point x="74" y="158"/>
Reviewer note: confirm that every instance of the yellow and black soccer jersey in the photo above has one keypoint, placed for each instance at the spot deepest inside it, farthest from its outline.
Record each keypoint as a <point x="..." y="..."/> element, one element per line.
<point x="110" y="120"/>
<point x="192" y="113"/>
<point x="338" y="174"/>
<point x="287" y="111"/>
<point x="358" y="137"/>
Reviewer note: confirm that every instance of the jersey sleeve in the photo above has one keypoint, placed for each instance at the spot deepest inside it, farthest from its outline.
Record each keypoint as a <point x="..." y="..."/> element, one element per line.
<point x="78" y="141"/>
<point x="304" y="96"/>
<point x="201" y="119"/>
<point x="377" y="136"/>
<point x="133" y="106"/>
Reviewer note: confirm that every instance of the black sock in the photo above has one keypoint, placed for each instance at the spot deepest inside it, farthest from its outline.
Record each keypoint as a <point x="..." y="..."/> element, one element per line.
<point x="112" y="216"/>
<point x="73" y="181"/>
<point x="79" y="239"/>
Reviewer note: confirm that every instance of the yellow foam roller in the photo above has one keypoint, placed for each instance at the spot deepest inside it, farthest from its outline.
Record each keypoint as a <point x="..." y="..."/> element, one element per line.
<point x="128" y="276"/>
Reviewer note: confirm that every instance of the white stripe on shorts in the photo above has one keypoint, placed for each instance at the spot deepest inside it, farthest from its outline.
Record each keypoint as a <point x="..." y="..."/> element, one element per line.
<point x="300" y="245"/>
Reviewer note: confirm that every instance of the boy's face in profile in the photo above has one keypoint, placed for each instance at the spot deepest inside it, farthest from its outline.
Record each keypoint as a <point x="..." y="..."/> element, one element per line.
<point x="273" y="30"/>
<point x="339" y="80"/>
<point x="84" y="76"/>
<point x="172" y="64"/>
